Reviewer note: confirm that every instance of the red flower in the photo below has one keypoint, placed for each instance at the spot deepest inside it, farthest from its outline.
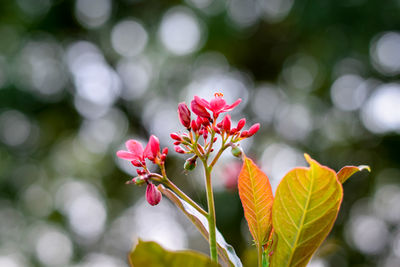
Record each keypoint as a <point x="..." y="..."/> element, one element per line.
<point x="134" y="153"/>
<point x="137" y="155"/>
<point x="217" y="105"/>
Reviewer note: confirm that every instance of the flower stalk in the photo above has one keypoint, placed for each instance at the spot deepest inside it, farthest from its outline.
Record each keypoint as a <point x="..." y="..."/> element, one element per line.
<point x="211" y="215"/>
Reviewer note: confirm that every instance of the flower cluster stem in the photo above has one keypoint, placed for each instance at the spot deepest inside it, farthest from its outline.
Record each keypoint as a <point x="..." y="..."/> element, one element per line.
<point x="211" y="216"/>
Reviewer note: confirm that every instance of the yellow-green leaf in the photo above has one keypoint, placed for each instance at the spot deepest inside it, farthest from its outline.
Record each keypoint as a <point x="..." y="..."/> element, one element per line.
<point x="256" y="195"/>
<point x="347" y="171"/>
<point x="306" y="204"/>
<point x="225" y="251"/>
<point x="151" y="254"/>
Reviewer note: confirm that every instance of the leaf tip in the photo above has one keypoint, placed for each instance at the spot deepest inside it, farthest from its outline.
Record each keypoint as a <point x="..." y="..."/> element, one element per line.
<point x="364" y="167"/>
<point x="309" y="159"/>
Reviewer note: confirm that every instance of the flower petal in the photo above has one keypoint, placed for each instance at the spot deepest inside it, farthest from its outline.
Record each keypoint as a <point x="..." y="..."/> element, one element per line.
<point x="126" y="155"/>
<point x="152" y="148"/>
<point x="199" y="110"/>
<point x="230" y="107"/>
<point x="202" y="102"/>
<point x="217" y="104"/>
<point x="135" y="147"/>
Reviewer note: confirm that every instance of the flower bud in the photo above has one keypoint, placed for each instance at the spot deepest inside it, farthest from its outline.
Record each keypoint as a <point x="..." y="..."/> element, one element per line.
<point x="165" y="151"/>
<point x="194" y="126"/>
<point x="244" y="134"/>
<point x="236" y="151"/>
<point x="178" y="149"/>
<point x="136" y="163"/>
<point x="140" y="172"/>
<point x="153" y="195"/>
<point x="184" y="114"/>
<point x="226" y="123"/>
<point x="241" y="124"/>
<point x="253" y="129"/>
<point x="190" y="163"/>
<point x="176" y="136"/>
<point x="177" y="143"/>
<point x="216" y="129"/>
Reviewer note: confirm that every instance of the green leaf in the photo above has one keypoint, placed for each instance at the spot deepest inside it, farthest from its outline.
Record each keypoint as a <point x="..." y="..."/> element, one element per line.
<point x="225" y="251"/>
<point x="151" y="254"/>
<point x="256" y="196"/>
<point x="347" y="171"/>
<point x="306" y="205"/>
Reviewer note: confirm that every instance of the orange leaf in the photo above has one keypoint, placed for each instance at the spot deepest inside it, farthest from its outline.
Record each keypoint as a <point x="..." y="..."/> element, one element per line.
<point x="347" y="171"/>
<point x="256" y="195"/>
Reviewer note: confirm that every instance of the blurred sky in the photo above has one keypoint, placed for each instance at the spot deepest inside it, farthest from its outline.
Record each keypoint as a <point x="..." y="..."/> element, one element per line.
<point x="79" y="77"/>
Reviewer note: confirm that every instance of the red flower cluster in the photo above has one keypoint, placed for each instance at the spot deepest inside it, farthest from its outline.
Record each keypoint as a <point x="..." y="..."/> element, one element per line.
<point x="137" y="156"/>
<point x="205" y="124"/>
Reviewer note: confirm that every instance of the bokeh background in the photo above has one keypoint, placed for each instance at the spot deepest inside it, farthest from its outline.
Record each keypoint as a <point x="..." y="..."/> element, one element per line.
<point x="79" y="77"/>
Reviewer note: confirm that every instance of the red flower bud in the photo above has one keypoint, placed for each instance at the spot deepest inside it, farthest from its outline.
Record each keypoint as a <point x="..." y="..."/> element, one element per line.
<point x="253" y="129"/>
<point x="241" y="124"/>
<point x="179" y="150"/>
<point x="244" y="134"/>
<point x="165" y="151"/>
<point x="215" y="128"/>
<point x="184" y="114"/>
<point x="153" y="195"/>
<point x="140" y="172"/>
<point x="194" y="125"/>
<point x="136" y="163"/>
<point x="176" y="136"/>
<point x="177" y="143"/>
<point x="226" y="123"/>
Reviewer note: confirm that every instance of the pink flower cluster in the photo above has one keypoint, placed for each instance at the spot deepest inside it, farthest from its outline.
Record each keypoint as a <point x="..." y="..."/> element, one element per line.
<point x="205" y="124"/>
<point x="137" y="156"/>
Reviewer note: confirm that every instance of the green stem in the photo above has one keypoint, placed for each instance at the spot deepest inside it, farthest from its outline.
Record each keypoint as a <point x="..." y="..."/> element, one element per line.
<point x="260" y="254"/>
<point x="221" y="150"/>
<point x="211" y="215"/>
